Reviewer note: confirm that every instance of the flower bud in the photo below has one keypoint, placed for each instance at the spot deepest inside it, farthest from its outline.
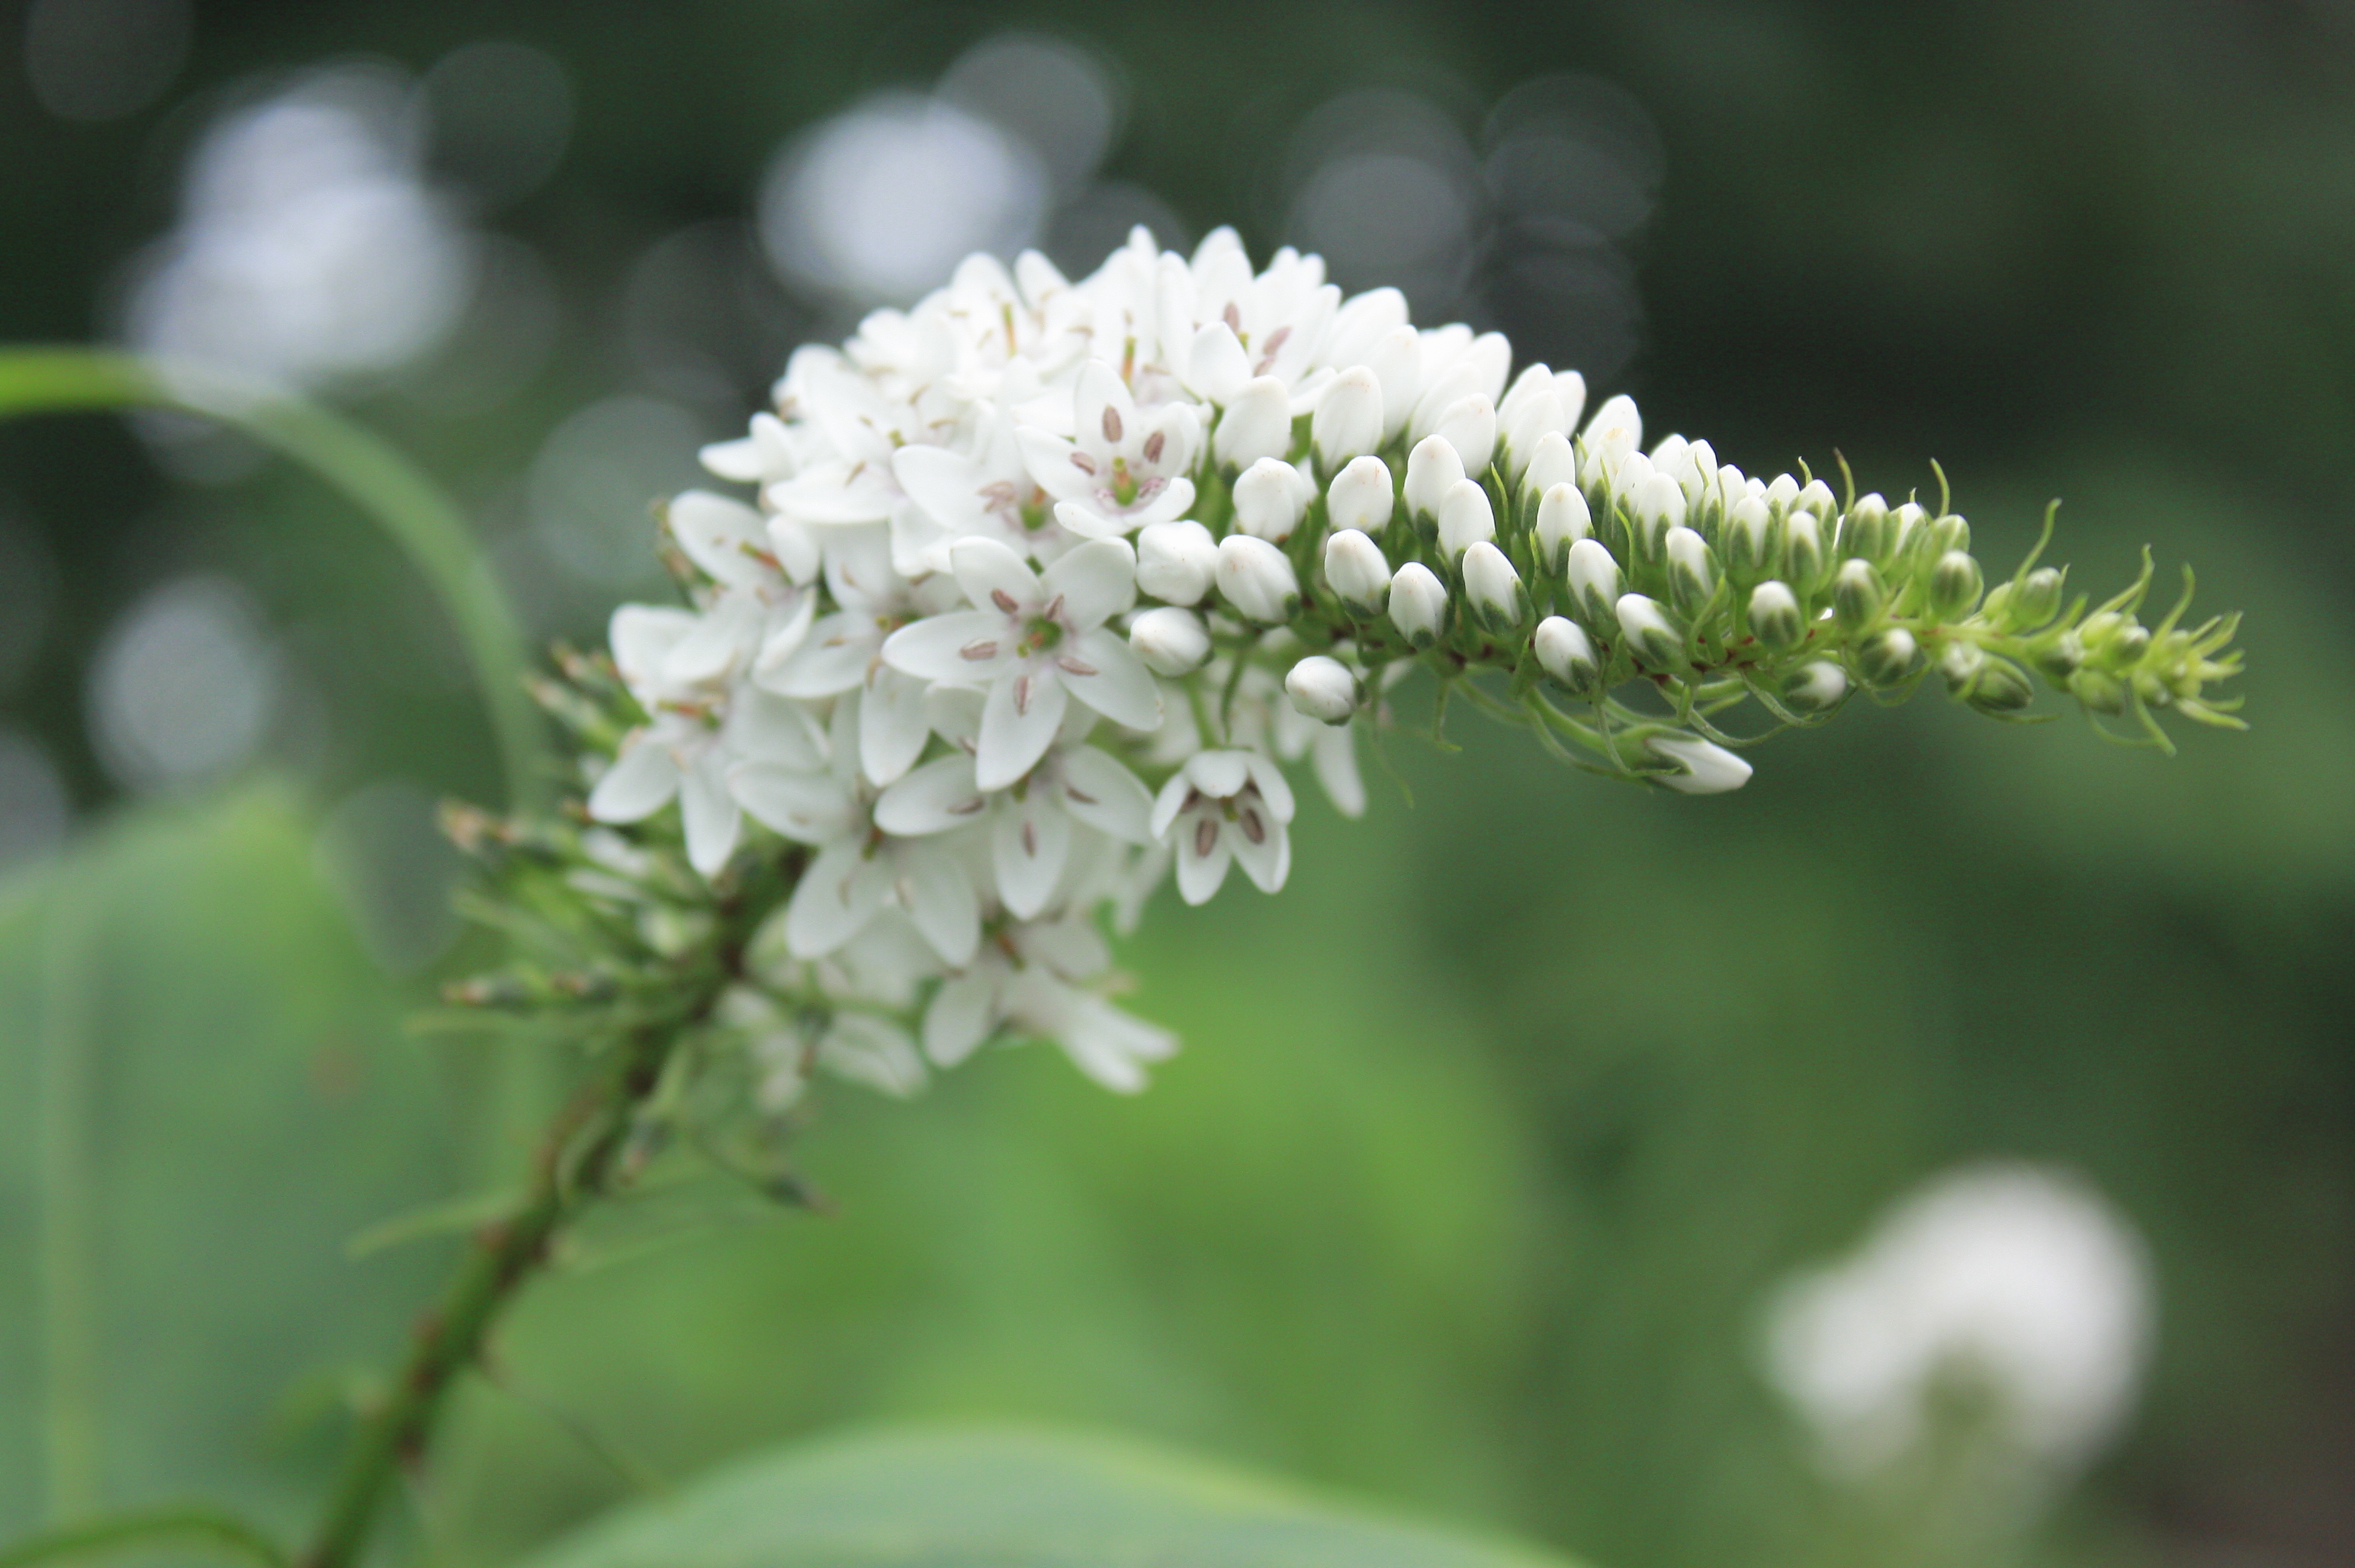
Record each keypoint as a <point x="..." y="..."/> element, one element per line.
<point x="1887" y="656"/>
<point x="2101" y="692"/>
<point x="1175" y="561"/>
<point x="1432" y="470"/>
<point x="1349" y="418"/>
<point x="1271" y="498"/>
<point x="1816" y="687"/>
<point x="1905" y="525"/>
<point x="1465" y="518"/>
<point x="1858" y="596"/>
<point x="1692" y="571"/>
<point x="2038" y="599"/>
<point x="1563" y="521"/>
<point x="1649" y="631"/>
<point x="1567" y="655"/>
<point x="1750" y="540"/>
<point x="1616" y="430"/>
<point x="1355" y="568"/>
<point x="1537" y="418"/>
<point x="1656" y="506"/>
<point x="1396" y="360"/>
<point x="1961" y="664"/>
<point x="1171" y="641"/>
<point x="1949" y="532"/>
<point x="1815" y="496"/>
<point x="1495" y="588"/>
<point x="1552" y="462"/>
<point x="1803" y="546"/>
<point x="1418" y="604"/>
<point x="1775" y="617"/>
<point x="1999" y="686"/>
<point x="1955" y="585"/>
<point x="1256" y="578"/>
<point x="1323" y="688"/>
<point x="1594" y="584"/>
<point x="1360" y="496"/>
<point x="1709" y="768"/>
<point x="1257" y="425"/>
<point x="1866" y="533"/>
<point x="2062" y="658"/>
<point x="1534" y="381"/>
<point x="1469" y="425"/>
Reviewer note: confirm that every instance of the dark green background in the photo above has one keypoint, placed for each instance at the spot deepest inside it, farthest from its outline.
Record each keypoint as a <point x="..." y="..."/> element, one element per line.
<point x="1492" y="1130"/>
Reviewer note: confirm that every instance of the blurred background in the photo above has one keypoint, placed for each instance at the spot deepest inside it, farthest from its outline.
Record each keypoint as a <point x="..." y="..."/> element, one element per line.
<point x="1524" y="1165"/>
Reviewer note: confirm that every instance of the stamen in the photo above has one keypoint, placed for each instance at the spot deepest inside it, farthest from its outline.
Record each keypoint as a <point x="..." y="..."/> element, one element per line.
<point x="1254" y="829"/>
<point x="983" y="648"/>
<point x="1111" y="422"/>
<point x="1071" y="665"/>
<point x="1206" y="838"/>
<point x="1004" y="601"/>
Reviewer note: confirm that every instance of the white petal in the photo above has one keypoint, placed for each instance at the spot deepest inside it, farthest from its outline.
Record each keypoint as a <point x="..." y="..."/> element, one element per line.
<point x="1265" y="858"/>
<point x="796" y="550"/>
<point x="1104" y="415"/>
<point x="1107" y="1044"/>
<point x="1018" y="722"/>
<point x="941" y="482"/>
<point x="837" y="896"/>
<point x="639" y="783"/>
<point x="893" y="725"/>
<point x="866" y="1050"/>
<point x="1054" y="463"/>
<point x="1105" y="795"/>
<point x="934" y="799"/>
<point x="764" y="728"/>
<point x="1217" y="367"/>
<point x="727" y="538"/>
<point x="782" y="630"/>
<point x="963" y="1015"/>
<point x="1273" y="787"/>
<point x="1105" y="672"/>
<point x="712" y="817"/>
<point x="642" y="636"/>
<point x="1029" y="840"/>
<point x="934" y="891"/>
<point x="1168" y="802"/>
<point x="1199" y="874"/>
<point x="832" y="657"/>
<point x="723" y="639"/>
<point x="964" y="647"/>
<point x="1221" y="773"/>
<point x="993" y="576"/>
<point x="1334" y="755"/>
<point x="1095" y="581"/>
<point x="808" y="807"/>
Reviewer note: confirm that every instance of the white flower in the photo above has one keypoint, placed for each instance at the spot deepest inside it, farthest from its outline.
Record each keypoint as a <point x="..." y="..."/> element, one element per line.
<point x="2022" y="1280"/>
<point x="1494" y="588"/>
<point x="1257" y="578"/>
<point x="1359" y="496"/>
<point x="1175" y="561"/>
<point x="844" y="651"/>
<point x="1257" y="425"/>
<point x="1123" y="468"/>
<point x="857" y="1046"/>
<point x="1040" y="641"/>
<point x="1074" y="788"/>
<point x="1349" y="418"/>
<point x="1030" y="984"/>
<point x="1465" y="517"/>
<point x="1356" y="570"/>
<point x="1270" y="498"/>
<point x="1418" y="604"/>
<point x="1432" y="470"/>
<point x="1223" y="807"/>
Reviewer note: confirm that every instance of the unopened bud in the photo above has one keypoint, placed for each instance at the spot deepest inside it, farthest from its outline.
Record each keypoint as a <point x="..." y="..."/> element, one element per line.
<point x="1815" y="496"/>
<point x="1858" y="596"/>
<point x="1906" y="524"/>
<point x="1358" y="574"/>
<point x="1616" y="430"/>
<point x="2038" y="599"/>
<point x="1176" y="560"/>
<point x="1887" y="656"/>
<point x="1465" y="518"/>
<point x="1707" y="767"/>
<point x="1750" y="540"/>
<point x="1271" y="498"/>
<point x="1359" y="496"/>
<point x="1692" y="571"/>
<point x="1256" y="578"/>
<point x="1816" y="686"/>
<point x="1656" y="506"/>
<point x="2062" y="658"/>
<point x="1949" y="532"/>
<point x="1553" y="462"/>
<point x="1323" y="688"/>
<point x="1960" y="665"/>
<point x="1433" y="469"/>
<point x="1526" y="429"/>
<point x="1418" y="604"/>
<point x="1649" y="631"/>
<point x="1495" y="588"/>
<point x="2000" y="686"/>
<point x="2101" y="692"/>
<point x="1171" y="641"/>
<point x="1567" y="655"/>
<point x="1866" y="533"/>
<point x="1803" y="546"/>
<point x="1775" y="617"/>
<point x="1594" y="584"/>
<point x="1783" y="492"/>
<point x="1349" y="418"/>
<point x="1563" y="521"/>
<point x="1257" y="425"/>
<point x="1955" y="585"/>
<point x="1469" y="425"/>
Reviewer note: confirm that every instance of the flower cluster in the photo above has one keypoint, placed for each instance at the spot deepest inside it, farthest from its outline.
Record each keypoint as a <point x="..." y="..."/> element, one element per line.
<point x="1026" y="597"/>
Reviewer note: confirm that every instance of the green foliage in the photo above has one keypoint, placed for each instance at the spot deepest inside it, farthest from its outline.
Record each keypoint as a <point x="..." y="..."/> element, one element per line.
<point x="1011" y="1498"/>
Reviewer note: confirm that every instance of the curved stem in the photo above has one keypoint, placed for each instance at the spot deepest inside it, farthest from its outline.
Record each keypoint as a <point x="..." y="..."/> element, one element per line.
<point x="224" y="1534"/>
<point x="383" y="484"/>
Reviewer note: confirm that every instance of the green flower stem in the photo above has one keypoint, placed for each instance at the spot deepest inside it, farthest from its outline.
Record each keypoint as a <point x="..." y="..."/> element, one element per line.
<point x="197" y="1526"/>
<point x="578" y="1159"/>
<point x="383" y="484"/>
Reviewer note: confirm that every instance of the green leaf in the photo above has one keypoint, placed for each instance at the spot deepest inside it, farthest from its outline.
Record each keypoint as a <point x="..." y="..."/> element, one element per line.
<point x="1006" y="1498"/>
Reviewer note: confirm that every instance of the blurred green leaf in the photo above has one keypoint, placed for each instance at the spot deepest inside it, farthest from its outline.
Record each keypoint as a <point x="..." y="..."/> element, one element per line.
<point x="1011" y="1498"/>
